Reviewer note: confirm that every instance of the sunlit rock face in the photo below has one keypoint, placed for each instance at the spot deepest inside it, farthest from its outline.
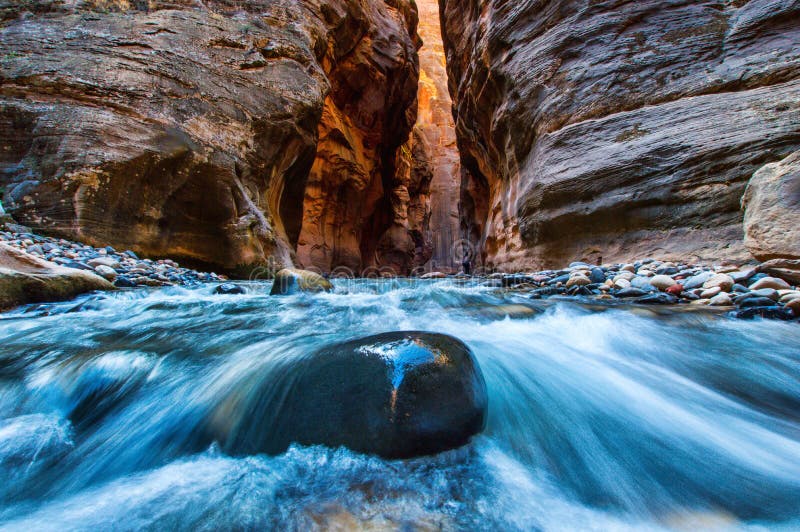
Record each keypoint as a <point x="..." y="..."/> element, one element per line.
<point x="435" y="134"/>
<point x="360" y="216"/>
<point x="618" y="129"/>
<point x="209" y="130"/>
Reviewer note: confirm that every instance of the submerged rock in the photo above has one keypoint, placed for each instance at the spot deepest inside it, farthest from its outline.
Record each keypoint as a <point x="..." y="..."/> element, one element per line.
<point x="25" y="278"/>
<point x="396" y="395"/>
<point x="229" y="289"/>
<point x="290" y="281"/>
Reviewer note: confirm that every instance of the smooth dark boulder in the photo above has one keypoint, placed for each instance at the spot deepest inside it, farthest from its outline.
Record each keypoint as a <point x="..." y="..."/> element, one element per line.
<point x="291" y="281"/>
<point x="395" y="395"/>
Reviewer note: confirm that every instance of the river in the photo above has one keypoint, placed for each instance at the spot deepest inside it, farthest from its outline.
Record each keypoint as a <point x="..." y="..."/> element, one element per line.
<point x="600" y="418"/>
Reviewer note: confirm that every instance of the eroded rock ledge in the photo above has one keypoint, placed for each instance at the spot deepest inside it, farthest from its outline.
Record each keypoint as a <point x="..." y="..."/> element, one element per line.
<point x="219" y="133"/>
<point x="618" y="129"/>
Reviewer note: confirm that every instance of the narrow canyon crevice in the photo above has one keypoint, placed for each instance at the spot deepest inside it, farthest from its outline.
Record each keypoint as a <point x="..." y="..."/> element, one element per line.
<point x="434" y="133"/>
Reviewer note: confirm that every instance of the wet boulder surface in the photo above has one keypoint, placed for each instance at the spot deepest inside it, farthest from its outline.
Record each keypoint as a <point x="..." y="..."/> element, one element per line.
<point x="290" y="281"/>
<point x="395" y="395"/>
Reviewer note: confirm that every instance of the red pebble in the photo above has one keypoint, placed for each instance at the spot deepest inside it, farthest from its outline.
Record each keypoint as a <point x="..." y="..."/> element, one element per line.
<point x="675" y="290"/>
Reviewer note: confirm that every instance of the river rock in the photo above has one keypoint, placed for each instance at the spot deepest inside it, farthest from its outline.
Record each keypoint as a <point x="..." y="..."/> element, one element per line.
<point x="789" y="296"/>
<point x="106" y="272"/>
<point x="630" y="292"/>
<point x="708" y="293"/>
<point x="770" y="282"/>
<point x="25" y="278"/>
<point x="622" y="284"/>
<point x="742" y="275"/>
<point x="794" y="307"/>
<point x="770" y="293"/>
<point x="675" y="290"/>
<point x="291" y="281"/>
<point x="597" y="275"/>
<point x="755" y="301"/>
<point x="786" y="269"/>
<point x="643" y="283"/>
<point x="770" y="313"/>
<point x="771" y="204"/>
<point x="721" y="300"/>
<point x="662" y="282"/>
<point x="396" y="395"/>
<point x="109" y="262"/>
<point x="721" y="281"/>
<point x="578" y="280"/>
<point x="697" y="281"/>
<point x="228" y="289"/>
<point x="626" y="275"/>
<point x="435" y="275"/>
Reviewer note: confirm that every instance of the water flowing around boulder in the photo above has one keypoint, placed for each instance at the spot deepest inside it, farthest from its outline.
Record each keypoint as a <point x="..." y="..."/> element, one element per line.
<point x="396" y="395"/>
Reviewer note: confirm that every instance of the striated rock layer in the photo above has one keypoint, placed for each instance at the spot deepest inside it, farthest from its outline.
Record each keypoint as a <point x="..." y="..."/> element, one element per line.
<point x="618" y="129"/>
<point x="224" y="133"/>
<point x="772" y="210"/>
<point x="435" y="134"/>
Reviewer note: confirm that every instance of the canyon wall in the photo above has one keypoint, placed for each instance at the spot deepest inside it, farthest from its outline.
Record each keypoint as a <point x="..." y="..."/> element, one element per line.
<point x="435" y="135"/>
<point x="616" y="129"/>
<point x="222" y="133"/>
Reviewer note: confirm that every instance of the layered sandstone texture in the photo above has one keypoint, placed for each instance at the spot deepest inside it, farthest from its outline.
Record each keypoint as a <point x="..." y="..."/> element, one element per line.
<point x="618" y="129"/>
<point x="209" y="131"/>
<point x="772" y="210"/>
<point x="437" y="147"/>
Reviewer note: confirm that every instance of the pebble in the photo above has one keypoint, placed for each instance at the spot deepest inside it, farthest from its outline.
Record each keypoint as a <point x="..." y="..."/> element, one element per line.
<point x="578" y="280"/>
<point x="721" y="300"/>
<point x="710" y="292"/>
<point x="742" y="276"/>
<point x="103" y="261"/>
<point x="662" y="282"/>
<point x="106" y="272"/>
<point x="770" y="282"/>
<point x="697" y="281"/>
<point x="770" y="293"/>
<point x="622" y="283"/>
<point x="624" y="275"/>
<point x="597" y="275"/>
<point x="720" y="280"/>
<point x="643" y="283"/>
<point x="125" y="269"/>
<point x="675" y="290"/>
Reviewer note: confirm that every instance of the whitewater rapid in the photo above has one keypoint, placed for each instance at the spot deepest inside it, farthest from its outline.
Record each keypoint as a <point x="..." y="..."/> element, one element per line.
<point x="112" y="408"/>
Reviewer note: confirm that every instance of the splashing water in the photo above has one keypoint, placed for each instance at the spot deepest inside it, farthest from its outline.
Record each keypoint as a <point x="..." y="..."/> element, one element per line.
<point x="616" y="418"/>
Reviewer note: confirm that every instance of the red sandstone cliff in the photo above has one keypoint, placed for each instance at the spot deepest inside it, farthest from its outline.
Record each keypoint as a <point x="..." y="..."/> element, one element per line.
<point x="219" y="132"/>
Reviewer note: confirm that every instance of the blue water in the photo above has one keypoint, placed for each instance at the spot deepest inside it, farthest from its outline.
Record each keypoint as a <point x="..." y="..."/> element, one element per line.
<point x="618" y="418"/>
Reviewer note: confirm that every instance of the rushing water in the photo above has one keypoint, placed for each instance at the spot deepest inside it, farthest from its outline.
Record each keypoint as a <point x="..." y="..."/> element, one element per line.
<point x="616" y="418"/>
